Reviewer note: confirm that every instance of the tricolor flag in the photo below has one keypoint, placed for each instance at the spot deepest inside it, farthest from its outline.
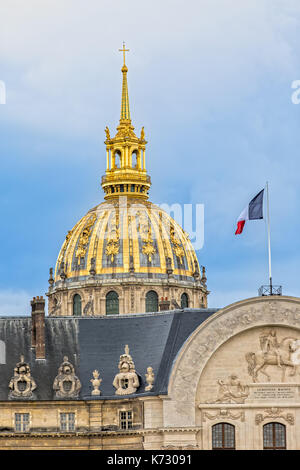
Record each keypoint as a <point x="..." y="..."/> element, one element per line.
<point x="253" y="211"/>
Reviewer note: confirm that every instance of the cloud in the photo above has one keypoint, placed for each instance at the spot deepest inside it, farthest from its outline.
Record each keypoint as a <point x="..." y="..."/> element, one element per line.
<point x="61" y="61"/>
<point x="14" y="302"/>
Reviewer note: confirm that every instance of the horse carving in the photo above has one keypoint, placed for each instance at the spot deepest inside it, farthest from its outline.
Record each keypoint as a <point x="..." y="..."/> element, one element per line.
<point x="274" y="353"/>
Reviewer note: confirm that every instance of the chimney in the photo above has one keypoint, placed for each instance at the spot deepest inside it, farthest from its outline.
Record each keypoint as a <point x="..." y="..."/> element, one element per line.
<point x="164" y="304"/>
<point x="38" y="326"/>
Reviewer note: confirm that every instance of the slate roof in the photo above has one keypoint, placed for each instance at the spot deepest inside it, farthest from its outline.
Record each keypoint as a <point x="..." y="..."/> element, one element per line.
<point x="154" y="339"/>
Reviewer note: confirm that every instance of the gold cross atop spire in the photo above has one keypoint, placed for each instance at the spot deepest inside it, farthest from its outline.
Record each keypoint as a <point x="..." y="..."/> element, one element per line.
<point x="125" y="113"/>
<point x="124" y="50"/>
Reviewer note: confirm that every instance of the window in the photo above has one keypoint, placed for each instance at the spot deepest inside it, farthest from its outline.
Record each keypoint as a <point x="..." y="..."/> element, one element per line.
<point x="22" y="422"/>
<point x="151" y="301"/>
<point x="274" y="436"/>
<point x="223" y="436"/>
<point x="117" y="159"/>
<point x="67" y="421"/>
<point x="112" y="303"/>
<point x="126" y="419"/>
<point x="134" y="159"/>
<point x="77" y="305"/>
<point x="184" y="301"/>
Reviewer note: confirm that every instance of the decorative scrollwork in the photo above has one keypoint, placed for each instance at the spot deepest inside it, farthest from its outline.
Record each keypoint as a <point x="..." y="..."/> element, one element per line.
<point x="177" y="245"/>
<point x="113" y="237"/>
<point x="146" y="236"/>
<point x="84" y="237"/>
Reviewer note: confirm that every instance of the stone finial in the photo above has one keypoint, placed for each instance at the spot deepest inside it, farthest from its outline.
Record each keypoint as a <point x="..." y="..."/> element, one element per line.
<point x="62" y="271"/>
<point x="96" y="382"/>
<point x="93" y="267"/>
<point x="149" y="379"/>
<point x="51" y="280"/>
<point x="203" y="278"/>
<point x="126" y="381"/>
<point x="22" y="384"/>
<point x="66" y="383"/>
<point x="169" y="268"/>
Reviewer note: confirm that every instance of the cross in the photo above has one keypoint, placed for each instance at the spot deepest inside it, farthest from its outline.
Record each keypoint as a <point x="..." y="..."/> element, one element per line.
<point x="123" y="50"/>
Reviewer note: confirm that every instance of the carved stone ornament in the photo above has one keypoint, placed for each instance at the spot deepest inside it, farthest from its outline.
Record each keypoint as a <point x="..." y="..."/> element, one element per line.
<point x="224" y="414"/>
<point x="209" y="336"/>
<point x="22" y="384"/>
<point x="66" y="383"/>
<point x="274" y="413"/>
<point x="283" y="354"/>
<point x="149" y="379"/>
<point x="126" y="381"/>
<point x="96" y="382"/>
<point x="89" y="306"/>
<point x="231" y="391"/>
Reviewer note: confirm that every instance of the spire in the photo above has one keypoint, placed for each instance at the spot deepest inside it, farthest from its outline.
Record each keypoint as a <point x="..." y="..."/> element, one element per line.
<point x="125" y="154"/>
<point x="125" y="111"/>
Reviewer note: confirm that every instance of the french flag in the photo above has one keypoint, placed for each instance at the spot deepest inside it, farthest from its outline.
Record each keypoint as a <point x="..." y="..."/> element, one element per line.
<point x="253" y="211"/>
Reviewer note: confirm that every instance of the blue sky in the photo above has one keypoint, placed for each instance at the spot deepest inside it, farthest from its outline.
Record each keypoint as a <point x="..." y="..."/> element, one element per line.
<point x="211" y="83"/>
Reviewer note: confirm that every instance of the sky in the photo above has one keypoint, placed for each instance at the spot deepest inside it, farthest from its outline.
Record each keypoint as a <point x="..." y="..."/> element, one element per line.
<point x="211" y="82"/>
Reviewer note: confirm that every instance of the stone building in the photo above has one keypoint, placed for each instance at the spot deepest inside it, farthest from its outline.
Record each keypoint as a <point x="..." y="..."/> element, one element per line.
<point x="129" y="356"/>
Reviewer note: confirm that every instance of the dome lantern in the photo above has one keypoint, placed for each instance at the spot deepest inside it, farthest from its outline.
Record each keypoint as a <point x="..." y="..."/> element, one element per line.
<point x="125" y="154"/>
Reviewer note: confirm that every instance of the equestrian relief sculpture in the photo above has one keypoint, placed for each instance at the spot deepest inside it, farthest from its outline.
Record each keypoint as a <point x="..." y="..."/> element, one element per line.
<point x="281" y="354"/>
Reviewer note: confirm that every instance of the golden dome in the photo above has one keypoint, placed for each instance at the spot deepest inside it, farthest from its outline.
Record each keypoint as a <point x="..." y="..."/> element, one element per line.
<point x="126" y="237"/>
<point x="126" y="244"/>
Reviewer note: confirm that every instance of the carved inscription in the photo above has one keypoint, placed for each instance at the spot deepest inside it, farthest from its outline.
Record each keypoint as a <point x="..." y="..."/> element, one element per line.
<point x="274" y="392"/>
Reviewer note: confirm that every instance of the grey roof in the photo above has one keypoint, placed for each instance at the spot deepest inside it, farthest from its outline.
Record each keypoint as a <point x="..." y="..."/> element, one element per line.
<point x="97" y="343"/>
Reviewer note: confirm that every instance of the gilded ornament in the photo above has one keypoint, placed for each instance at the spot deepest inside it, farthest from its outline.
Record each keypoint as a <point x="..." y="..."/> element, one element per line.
<point x="177" y="245"/>
<point x="67" y="239"/>
<point x="107" y="133"/>
<point x="146" y="236"/>
<point x="113" y="237"/>
<point x="84" y="237"/>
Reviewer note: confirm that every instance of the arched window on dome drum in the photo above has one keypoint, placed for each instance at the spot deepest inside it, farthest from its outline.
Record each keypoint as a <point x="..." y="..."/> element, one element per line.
<point x="184" y="300"/>
<point x="77" y="305"/>
<point x="112" y="303"/>
<point x="151" y="301"/>
<point x="274" y="436"/>
<point x="223" y="436"/>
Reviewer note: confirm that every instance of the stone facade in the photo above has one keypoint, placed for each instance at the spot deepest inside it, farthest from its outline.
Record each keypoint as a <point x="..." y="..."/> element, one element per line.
<point x="132" y="295"/>
<point x="240" y="367"/>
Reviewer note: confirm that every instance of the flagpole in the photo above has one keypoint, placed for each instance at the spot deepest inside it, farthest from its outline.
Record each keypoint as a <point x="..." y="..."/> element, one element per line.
<point x="269" y="239"/>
